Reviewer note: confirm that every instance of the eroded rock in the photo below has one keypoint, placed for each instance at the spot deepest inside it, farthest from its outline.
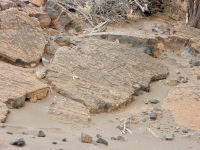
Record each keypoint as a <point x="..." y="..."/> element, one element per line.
<point x="3" y="112"/>
<point x="19" y="142"/>
<point x="38" y="2"/>
<point x="18" y="84"/>
<point x="85" y="138"/>
<point x="69" y="112"/>
<point x="21" y="38"/>
<point x="106" y="75"/>
<point x="6" y="4"/>
<point x="43" y="18"/>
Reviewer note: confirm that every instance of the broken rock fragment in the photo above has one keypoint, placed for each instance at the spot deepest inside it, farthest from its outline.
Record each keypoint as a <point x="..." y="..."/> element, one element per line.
<point x="19" y="142"/>
<point x="85" y="138"/>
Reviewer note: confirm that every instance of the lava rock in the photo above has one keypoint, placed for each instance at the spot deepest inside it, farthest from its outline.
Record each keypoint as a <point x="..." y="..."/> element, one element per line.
<point x="102" y="141"/>
<point x="19" y="142"/>
<point x="169" y="136"/>
<point x="41" y="134"/>
<point x="85" y="138"/>
<point x="154" y="101"/>
<point x="153" y="115"/>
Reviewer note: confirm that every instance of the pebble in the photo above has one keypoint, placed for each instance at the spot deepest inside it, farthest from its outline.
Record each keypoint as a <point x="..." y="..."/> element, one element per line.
<point x="25" y="133"/>
<point x="185" y="130"/>
<point x="177" y="128"/>
<point x="102" y="141"/>
<point x="2" y="125"/>
<point x="113" y="138"/>
<point x="41" y="134"/>
<point x="121" y="138"/>
<point x="169" y="136"/>
<point x="9" y="132"/>
<point x="85" y="138"/>
<point x="98" y="136"/>
<point x="54" y="142"/>
<point x="64" y="140"/>
<point x="19" y="142"/>
<point x="154" y="101"/>
<point x="153" y="115"/>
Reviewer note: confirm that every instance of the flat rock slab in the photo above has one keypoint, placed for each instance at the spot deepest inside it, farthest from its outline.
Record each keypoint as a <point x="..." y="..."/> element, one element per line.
<point x="3" y="112"/>
<point x="18" y="84"/>
<point x="20" y="38"/>
<point x="69" y="112"/>
<point x="102" y="75"/>
<point x="184" y="103"/>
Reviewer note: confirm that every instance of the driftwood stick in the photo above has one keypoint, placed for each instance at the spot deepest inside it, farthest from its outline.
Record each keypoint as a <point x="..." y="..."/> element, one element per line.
<point x="155" y="135"/>
<point x="86" y="17"/>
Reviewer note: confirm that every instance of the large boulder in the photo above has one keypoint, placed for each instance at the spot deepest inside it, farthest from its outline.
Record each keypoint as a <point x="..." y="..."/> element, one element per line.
<point x="69" y="112"/>
<point x="19" y="84"/>
<point x="21" y="38"/>
<point x="102" y="75"/>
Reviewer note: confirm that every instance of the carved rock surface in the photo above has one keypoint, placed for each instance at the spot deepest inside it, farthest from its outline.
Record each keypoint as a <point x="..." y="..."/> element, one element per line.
<point x="18" y="84"/>
<point x="20" y="38"/>
<point x="69" y="112"/>
<point x="104" y="76"/>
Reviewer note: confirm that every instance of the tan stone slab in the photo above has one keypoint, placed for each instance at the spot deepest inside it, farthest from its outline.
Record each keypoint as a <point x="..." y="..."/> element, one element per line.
<point x="21" y="38"/>
<point x="69" y="112"/>
<point x="102" y="75"/>
<point x="18" y="84"/>
<point x="3" y="112"/>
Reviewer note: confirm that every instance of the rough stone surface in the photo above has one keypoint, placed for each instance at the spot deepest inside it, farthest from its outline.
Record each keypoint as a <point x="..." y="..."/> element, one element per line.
<point x="6" y="4"/>
<point x="185" y="130"/>
<point x="43" y="18"/>
<point x="38" y="2"/>
<point x="18" y="84"/>
<point x="20" y="39"/>
<point x="105" y="74"/>
<point x="85" y="138"/>
<point x="69" y="112"/>
<point x="19" y="142"/>
<point x="3" y="112"/>
<point x="41" y="134"/>
<point x="63" y="40"/>
<point x="154" y="101"/>
<point x="102" y="141"/>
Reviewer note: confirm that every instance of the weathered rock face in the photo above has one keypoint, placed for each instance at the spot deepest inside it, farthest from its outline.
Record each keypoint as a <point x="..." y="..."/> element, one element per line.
<point x="3" y="112"/>
<point x="69" y="112"/>
<point x="38" y="2"/>
<point x="61" y="18"/>
<point x="18" y="85"/>
<point x="6" y="4"/>
<point x="43" y="18"/>
<point x="102" y="75"/>
<point x="20" y="39"/>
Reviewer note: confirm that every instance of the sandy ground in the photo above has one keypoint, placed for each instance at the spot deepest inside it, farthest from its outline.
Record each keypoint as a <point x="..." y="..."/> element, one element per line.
<point x="33" y="117"/>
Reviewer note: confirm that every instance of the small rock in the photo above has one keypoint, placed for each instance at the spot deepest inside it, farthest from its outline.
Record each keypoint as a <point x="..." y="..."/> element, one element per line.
<point x="198" y="77"/>
<point x="63" y="40"/>
<point x="154" y="101"/>
<point x="41" y="134"/>
<point x="9" y="132"/>
<point x="102" y="141"/>
<point x="19" y="142"/>
<point x="177" y="128"/>
<point x="185" y="130"/>
<point x="98" y="136"/>
<point x="172" y="82"/>
<point x="64" y="140"/>
<point x="169" y="136"/>
<point x="113" y="138"/>
<point x="153" y="115"/>
<point x="54" y="142"/>
<point x="177" y="72"/>
<point x="121" y="138"/>
<point x="25" y="133"/>
<point x="85" y="138"/>
<point x="194" y="62"/>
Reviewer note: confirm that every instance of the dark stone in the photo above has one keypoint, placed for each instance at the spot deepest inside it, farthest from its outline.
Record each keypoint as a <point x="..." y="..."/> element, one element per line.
<point x="195" y="62"/>
<point x="9" y="132"/>
<point x="54" y="142"/>
<point x="98" y="136"/>
<point x="41" y="134"/>
<point x="20" y="63"/>
<point x="169" y="136"/>
<point x="185" y="130"/>
<point x="154" y="101"/>
<point x="121" y="138"/>
<point x="153" y="115"/>
<point x="102" y="141"/>
<point x="113" y="138"/>
<point x="19" y="142"/>
<point x="64" y="140"/>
